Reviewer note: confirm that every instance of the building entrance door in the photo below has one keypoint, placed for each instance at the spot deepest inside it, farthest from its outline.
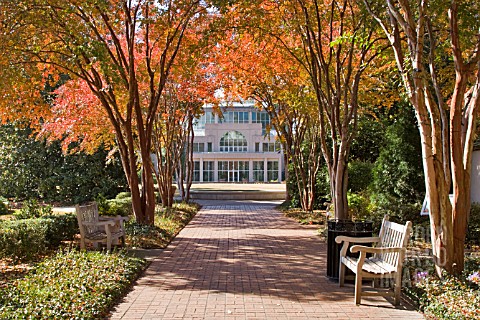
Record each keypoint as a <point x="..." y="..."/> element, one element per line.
<point x="233" y="176"/>
<point x="233" y="171"/>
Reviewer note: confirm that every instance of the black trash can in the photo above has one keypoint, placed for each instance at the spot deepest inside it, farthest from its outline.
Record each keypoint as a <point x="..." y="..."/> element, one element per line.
<point x="343" y="228"/>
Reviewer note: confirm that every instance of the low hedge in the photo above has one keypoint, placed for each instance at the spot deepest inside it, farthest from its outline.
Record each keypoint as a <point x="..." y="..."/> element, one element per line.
<point x="23" y="240"/>
<point x="70" y="285"/>
<point x="121" y="205"/>
<point x="60" y="228"/>
<point x="28" y="239"/>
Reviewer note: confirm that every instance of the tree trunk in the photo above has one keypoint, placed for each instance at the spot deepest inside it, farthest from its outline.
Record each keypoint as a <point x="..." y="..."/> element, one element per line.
<point x="189" y="159"/>
<point x="287" y="174"/>
<point x="147" y="199"/>
<point x="447" y="143"/>
<point x="338" y="185"/>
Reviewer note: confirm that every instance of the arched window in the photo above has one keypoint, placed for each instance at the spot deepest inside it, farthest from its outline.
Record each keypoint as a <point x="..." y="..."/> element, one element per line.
<point x="233" y="141"/>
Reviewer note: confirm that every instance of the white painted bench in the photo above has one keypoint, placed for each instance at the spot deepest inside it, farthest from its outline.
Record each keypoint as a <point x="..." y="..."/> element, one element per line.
<point x="386" y="261"/>
<point x="95" y="229"/>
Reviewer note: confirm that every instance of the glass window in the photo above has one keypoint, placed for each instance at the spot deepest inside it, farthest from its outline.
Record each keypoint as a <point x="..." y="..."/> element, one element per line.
<point x="209" y="147"/>
<point x="222" y="171"/>
<point x="271" y="147"/>
<point x="243" y="170"/>
<point x="207" y="117"/>
<point x="233" y="171"/>
<point x="235" y="117"/>
<point x="198" y="147"/>
<point x="196" y="171"/>
<point x="258" y="174"/>
<point x="272" y="171"/>
<point x="263" y="118"/>
<point x="208" y="171"/>
<point x="233" y="141"/>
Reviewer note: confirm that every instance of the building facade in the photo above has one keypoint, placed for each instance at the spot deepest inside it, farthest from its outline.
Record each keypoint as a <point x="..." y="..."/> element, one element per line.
<point x="236" y="147"/>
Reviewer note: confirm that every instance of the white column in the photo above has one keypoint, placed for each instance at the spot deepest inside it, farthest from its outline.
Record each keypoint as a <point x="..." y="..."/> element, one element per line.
<point x="250" y="171"/>
<point x="201" y="169"/>
<point x="265" y="170"/>
<point x="279" y="170"/>
<point x="215" y="170"/>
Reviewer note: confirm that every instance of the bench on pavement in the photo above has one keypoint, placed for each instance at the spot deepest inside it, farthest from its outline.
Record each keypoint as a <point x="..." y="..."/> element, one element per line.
<point x="385" y="262"/>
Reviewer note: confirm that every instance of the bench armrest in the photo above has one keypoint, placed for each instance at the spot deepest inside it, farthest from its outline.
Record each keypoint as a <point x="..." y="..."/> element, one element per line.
<point x="99" y="223"/>
<point x="340" y="239"/>
<point x="116" y="218"/>
<point x="380" y="250"/>
<point x="346" y="242"/>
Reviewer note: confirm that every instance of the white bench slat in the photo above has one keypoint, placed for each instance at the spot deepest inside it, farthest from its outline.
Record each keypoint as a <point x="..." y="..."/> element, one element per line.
<point x="371" y="265"/>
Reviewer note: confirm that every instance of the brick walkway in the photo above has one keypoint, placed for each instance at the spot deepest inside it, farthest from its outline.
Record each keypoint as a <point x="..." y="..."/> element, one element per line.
<point x="246" y="262"/>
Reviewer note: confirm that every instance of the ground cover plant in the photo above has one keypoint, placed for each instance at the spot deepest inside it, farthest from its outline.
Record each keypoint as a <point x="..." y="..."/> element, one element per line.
<point x="168" y="223"/>
<point x="70" y="285"/>
<point x="35" y="264"/>
<point x="449" y="297"/>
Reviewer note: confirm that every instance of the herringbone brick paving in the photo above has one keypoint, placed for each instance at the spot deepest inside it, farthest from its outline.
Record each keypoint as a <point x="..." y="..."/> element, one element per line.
<point x="246" y="262"/>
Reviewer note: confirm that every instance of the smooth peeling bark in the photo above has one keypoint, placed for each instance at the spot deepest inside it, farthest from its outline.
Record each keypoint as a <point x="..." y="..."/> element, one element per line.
<point x="340" y="182"/>
<point x="447" y="144"/>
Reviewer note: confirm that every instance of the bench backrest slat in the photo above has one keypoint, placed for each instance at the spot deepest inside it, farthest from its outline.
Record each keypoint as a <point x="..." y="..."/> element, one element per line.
<point x="87" y="213"/>
<point x="393" y="235"/>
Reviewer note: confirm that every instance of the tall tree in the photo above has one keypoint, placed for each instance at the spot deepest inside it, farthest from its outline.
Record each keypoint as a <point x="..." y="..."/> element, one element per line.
<point x="435" y="41"/>
<point x="254" y="66"/>
<point x="121" y="52"/>
<point x="338" y="42"/>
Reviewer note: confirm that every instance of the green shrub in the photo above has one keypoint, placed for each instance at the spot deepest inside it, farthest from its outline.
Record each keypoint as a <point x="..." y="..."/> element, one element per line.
<point x="3" y="206"/>
<point x="102" y="204"/>
<point x="32" y="209"/>
<point x="27" y="239"/>
<point x="119" y="206"/>
<point x="473" y="232"/>
<point x="398" y="171"/>
<point x="359" y="206"/>
<point x="70" y="285"/>
<point x="67" y="178"/>
<point x="360" y="176"/>
<point x="23" y="240"/>
<point x="123" y="195"/>
<point x="61" y="228"/>
<point x="322" y="188"/>
<point x="122" y="207"/>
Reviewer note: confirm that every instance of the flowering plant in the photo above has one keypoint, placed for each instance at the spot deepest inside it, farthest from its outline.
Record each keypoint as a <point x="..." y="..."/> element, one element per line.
<point x="474" y="277"/>
<point x="421" y="276"/>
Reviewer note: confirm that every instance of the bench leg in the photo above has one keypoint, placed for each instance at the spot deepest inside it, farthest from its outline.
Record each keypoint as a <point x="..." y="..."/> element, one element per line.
<point x="398" y="287"/>
<point x="109" y="244"/>
<point x="341" y="274"/>
<point x="358" y="288"/>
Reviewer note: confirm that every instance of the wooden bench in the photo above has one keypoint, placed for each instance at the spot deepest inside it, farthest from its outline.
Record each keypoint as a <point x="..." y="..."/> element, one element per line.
<point x="386" y="261"/>
<point x="96" y="229"/>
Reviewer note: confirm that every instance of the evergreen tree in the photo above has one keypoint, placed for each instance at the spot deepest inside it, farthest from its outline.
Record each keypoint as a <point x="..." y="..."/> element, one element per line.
<point x="398" y="174"/>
